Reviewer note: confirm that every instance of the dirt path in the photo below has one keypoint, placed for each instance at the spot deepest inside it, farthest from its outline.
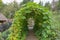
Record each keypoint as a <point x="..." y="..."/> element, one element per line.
<point x="31" y="36"/>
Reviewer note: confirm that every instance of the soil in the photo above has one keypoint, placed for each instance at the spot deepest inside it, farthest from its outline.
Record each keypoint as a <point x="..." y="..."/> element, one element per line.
<point x="31" y="35"/>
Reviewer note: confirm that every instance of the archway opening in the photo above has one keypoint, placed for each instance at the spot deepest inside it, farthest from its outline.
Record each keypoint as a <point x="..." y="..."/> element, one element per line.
<point x="30" y="23"/>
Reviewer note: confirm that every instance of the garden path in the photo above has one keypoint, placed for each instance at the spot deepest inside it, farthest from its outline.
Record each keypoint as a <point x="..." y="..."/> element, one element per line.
<point x="31" y="35"/>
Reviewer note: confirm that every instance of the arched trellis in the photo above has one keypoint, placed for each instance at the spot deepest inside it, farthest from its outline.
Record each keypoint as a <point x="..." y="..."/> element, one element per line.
<point x="42" y="27"/>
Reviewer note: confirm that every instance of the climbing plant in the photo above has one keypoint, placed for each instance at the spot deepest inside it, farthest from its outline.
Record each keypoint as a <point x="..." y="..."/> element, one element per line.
<point x="43" y="27"/>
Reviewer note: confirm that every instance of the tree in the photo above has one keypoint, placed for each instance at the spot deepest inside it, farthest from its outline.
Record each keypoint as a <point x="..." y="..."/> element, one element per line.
<point x="10" y="9"/>
<point x="1" y="5"/>
<point x="48" y="5"/>
<point x="58" y="5"/>
<point x="26" y="1"/>
<point x="41" y="3"/>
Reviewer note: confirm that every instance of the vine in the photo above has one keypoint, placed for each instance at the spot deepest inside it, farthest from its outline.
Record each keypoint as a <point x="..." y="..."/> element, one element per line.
<point x="43" y="23"/>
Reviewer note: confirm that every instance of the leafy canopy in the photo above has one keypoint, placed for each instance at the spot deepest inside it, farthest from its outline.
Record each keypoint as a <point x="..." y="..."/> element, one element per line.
<point x="43" y="27"/>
